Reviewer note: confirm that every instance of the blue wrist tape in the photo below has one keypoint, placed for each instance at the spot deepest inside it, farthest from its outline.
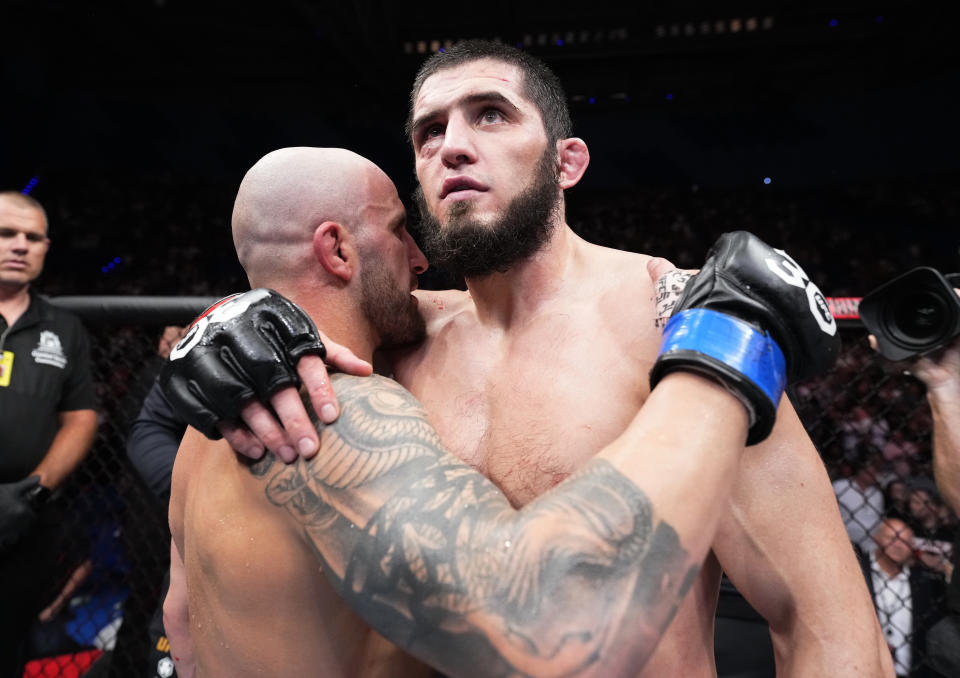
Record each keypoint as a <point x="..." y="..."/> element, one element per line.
<point x="730" y="341"/>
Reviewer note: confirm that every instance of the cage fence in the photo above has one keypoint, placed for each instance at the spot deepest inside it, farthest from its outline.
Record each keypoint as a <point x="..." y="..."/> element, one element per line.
<point x="869" y="420"/>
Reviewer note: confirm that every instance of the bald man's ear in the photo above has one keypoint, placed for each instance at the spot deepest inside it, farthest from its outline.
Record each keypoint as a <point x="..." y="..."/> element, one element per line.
<point x="574" y="158"/>
<point x="334" y="250"/>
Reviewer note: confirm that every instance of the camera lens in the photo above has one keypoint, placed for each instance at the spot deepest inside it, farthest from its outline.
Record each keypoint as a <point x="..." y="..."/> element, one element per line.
<point x="919" y="317"/>
<point x="912" y="314"/>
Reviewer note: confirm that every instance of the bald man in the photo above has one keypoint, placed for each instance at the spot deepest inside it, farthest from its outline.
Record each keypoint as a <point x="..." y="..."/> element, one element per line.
<point x="320" y="213"/>
<point x="297" y="569"/>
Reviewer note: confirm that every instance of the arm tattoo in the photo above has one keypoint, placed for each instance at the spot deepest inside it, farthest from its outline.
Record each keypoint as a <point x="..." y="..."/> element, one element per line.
<point x="433" y="556"/>
<point x="669" y="288"/>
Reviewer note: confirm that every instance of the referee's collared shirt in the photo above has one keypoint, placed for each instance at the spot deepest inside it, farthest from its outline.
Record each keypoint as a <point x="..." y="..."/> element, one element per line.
<point x="45" y="370"/>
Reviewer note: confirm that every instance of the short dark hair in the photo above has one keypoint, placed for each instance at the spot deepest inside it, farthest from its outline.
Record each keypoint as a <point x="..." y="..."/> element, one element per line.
<point x="540" y="84"/>
<point x="26" y="200"/>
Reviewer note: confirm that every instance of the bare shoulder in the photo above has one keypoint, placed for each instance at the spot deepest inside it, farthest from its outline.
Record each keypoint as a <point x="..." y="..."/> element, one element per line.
<point x="439" y="306"/>
<point x="624" y="266"/>
<point x="646" y="276"/>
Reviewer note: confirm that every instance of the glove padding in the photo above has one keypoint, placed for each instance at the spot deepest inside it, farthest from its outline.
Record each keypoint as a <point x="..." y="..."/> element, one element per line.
<point x="17" y="516"/>
<point x="746" y="294"/>
<point x="243" y="347"/>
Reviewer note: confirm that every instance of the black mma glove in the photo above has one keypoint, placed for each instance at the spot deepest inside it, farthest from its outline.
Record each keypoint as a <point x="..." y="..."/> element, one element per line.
<point x="17" y="515"/>
<point x="752" y="319"/>
<point x="242" y="347"/>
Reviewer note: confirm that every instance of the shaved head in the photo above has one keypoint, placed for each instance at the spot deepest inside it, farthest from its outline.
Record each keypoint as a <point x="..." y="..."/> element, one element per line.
<point x="24" y="200"/>
<point x="285" y="196"/>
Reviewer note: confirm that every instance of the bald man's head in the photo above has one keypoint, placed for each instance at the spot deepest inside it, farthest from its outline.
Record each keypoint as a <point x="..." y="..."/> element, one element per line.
<point x="285" y="196"/>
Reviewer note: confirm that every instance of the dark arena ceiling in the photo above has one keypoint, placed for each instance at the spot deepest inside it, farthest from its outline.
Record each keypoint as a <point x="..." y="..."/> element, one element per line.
<point x="676" y="92"/>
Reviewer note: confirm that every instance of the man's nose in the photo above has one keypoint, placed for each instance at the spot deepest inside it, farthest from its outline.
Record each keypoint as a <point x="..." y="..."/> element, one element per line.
<point x="458" y="147"/>
<point x="418" y="262"/>
<point x="20" y="243"/>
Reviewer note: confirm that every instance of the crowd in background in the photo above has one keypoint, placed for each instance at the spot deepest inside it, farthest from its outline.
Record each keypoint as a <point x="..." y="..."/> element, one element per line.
<point x="170" y="236"/>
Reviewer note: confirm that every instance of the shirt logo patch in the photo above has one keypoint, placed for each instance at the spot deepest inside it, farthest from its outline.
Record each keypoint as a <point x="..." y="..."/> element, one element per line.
<point x="49" y="351"/>
<point x="6" y="368"/>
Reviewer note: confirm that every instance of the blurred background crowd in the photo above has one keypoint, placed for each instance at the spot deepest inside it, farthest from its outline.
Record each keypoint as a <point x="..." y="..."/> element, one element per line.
<point x="827" y="130"/>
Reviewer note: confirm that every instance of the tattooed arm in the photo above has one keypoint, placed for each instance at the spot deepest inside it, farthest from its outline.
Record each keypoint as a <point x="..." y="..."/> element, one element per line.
<point x="669" y="287"/>
<point x="433" y="556"/>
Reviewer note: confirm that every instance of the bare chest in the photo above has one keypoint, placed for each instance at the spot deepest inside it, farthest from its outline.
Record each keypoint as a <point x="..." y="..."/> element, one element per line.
<point x="528" y="409"/>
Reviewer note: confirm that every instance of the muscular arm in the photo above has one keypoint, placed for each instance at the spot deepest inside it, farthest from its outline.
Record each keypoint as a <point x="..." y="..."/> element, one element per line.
<point x="946" y="450"/>
<point x="71" y="444"/>
<point x="176" y="617"/>
<point x="582" y="581"/>
<point x="942" y="379"/>
<point x="782" y="543"/>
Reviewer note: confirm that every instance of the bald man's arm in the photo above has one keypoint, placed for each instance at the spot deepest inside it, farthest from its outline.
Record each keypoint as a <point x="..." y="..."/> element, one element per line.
<point x="584" y="580"/>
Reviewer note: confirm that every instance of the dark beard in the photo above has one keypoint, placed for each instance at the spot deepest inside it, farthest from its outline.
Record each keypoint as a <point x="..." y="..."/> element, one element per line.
<point x="469" y="248"/>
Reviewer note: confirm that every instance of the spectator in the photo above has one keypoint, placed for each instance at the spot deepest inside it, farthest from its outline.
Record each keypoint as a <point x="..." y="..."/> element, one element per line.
<point x="861" y="505"/>
<point x="923" y="509"/>
<point x="48" y="424"/>
<point x="905" y="594"/>
<point x="895" y="495"/>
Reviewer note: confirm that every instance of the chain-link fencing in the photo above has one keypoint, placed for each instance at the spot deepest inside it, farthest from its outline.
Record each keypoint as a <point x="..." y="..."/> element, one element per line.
<point x="869" y="420"/>
<point x="872" y="425"/>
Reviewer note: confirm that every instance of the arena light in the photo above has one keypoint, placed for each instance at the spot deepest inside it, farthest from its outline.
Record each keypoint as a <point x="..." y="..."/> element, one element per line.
<point x="767" y="181"/>
<point x="110" y="265"/>
<point x="706" y="27"/>
<point x="32" y="184"/>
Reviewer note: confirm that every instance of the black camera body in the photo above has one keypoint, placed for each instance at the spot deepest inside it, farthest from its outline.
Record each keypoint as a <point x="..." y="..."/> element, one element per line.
<point x="913" y="314"/>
